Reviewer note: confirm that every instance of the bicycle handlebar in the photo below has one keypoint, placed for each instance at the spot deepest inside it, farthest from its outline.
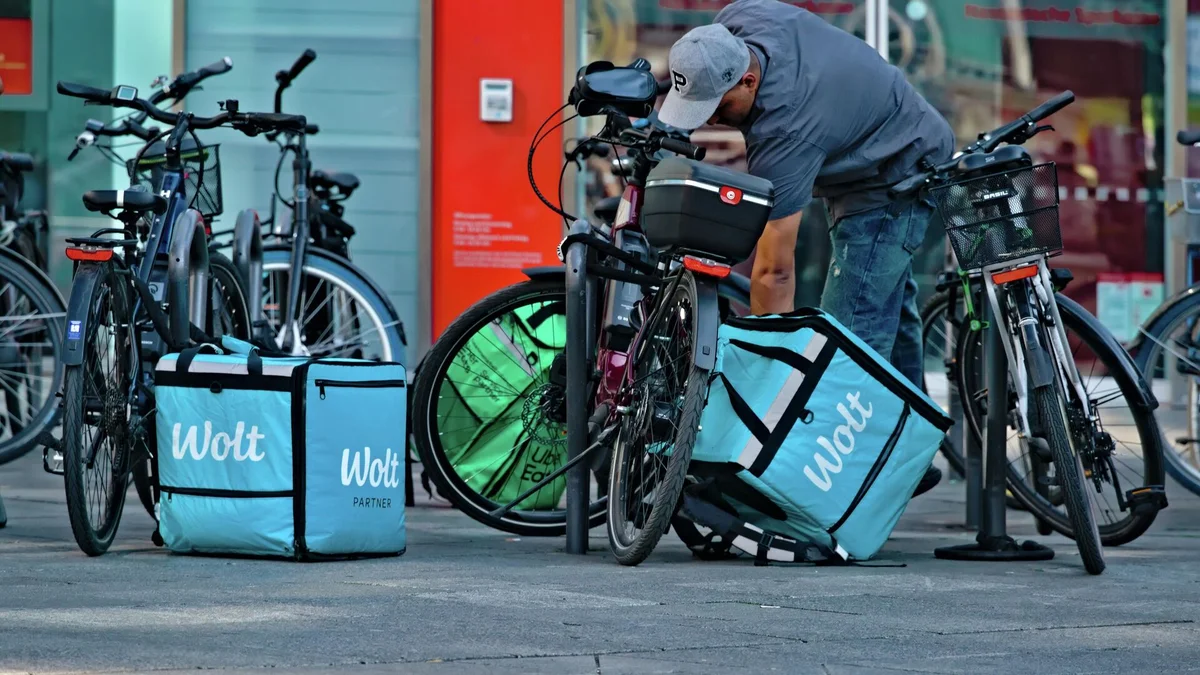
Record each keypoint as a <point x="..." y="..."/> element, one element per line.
<point x="255" y="121"/>
<point x="298" y="67"/>
<point x="1015" y="132"/>
<point x="183" y="84"/>
<point x="19" y="161"/>
<point x="682" y="148"/>
<point x="1188" y="137"/>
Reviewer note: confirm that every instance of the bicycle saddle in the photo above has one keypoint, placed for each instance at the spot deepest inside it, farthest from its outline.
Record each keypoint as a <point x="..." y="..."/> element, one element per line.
<point x="136" y="201"/>
<point x="344" y="182"/>
<point x="1004" y="158"/>
<point x="606" y="209"/>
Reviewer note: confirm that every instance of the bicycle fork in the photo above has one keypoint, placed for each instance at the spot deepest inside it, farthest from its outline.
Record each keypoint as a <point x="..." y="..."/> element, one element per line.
<point x="1022" y="300"/>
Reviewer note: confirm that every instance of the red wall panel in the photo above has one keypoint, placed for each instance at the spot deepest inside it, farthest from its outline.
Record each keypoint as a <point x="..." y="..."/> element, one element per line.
<point x="487" y="222"/>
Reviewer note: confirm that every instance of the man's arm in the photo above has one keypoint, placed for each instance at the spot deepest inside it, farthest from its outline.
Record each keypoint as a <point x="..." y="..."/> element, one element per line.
<point x="773" y="279"/>
<point x="791" y="164"/>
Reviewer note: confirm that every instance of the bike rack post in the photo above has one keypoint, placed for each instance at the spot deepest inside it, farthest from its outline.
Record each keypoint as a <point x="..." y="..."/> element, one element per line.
<point x="3" y="514"/>
<point x="187" y="276"/>
<point x="248" y="259"/>
<point x="578" y="481"/>
<point x="992" y="541"/>
<point x="973" y="465"/>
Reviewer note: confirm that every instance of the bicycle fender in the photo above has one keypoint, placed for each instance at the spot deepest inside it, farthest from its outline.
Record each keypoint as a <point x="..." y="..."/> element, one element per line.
<point x="545" y="272"/>
<point x="82" y="286"/>
<point x="708" y="321"/>
<point x="345" y="262"/>
<point x="1128" y="375"/>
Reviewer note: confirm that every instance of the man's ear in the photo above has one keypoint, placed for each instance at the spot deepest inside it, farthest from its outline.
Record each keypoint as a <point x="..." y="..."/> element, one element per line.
<point x="751" y="81"/>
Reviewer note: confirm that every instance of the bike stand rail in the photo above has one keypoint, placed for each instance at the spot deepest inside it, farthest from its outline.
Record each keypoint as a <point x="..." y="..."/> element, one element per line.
<point x="992" y="543"/>
<point x="578" y="478"/>
<point x="3" y="513"/>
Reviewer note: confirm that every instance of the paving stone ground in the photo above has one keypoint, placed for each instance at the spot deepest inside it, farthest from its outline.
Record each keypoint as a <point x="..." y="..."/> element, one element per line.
<point x="467" y="599"/>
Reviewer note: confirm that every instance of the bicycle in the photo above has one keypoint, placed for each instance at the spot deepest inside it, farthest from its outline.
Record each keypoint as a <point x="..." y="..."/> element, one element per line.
<point x="31" y="319"/>
<point x="196" y="184"/>
<point x="1000" y="211"/>
<point x="114" y="316"/>
<point x="500" y="366"/>
<point x="332" y="308"/>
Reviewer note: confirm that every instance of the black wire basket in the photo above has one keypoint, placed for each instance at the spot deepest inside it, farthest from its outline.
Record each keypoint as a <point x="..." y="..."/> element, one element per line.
<point x="201" y="170"/>
<point x="1001" y="216"/>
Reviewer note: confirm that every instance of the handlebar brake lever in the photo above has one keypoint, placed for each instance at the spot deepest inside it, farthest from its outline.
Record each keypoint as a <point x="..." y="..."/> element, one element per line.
<point x="1040" y="129"/>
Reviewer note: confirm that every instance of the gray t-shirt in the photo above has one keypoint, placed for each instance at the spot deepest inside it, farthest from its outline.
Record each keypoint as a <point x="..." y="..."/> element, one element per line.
<point x="832" y="119"/>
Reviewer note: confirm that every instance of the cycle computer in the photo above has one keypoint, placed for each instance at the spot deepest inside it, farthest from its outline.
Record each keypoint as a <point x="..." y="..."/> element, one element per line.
<point x="124" y="92"/>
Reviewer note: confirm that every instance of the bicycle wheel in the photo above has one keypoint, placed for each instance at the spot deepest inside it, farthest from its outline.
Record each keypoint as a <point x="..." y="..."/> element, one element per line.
<point x="654" y="444"/>
<point x="229" y="312"/>
<point x="1128" y="441"/>
<point x="457" y="463"/>
<point x="940" y="326"/>
<point x="488" y="421"/>
<point x="341" y="313"/>
<point x="1069" y="473"/>
<point x="1169" y="358"/>
<point x="31" y="368"/>
<point x="95" y="427"/>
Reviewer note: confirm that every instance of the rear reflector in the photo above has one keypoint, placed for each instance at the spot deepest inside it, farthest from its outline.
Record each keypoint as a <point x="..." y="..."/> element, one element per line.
<point x="708" y="268"/>
<point x="1015" y="275"/>
<point x="89" y="255"/>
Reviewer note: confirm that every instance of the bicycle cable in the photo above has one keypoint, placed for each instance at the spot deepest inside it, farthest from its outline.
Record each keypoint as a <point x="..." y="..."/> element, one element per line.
<point x="538" y="138"/>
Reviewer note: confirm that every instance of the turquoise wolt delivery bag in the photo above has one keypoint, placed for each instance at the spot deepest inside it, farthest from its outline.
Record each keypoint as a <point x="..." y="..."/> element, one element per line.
<point x="292" y="457"/>
<point x="809" y="437"/>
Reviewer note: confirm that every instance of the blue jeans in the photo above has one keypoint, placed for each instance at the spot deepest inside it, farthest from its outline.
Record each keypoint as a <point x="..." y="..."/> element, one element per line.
<point x="870" y="287"/>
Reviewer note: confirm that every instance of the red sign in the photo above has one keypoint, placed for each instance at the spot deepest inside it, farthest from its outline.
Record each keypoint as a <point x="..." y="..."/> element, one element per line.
<point x="16" y="56"/>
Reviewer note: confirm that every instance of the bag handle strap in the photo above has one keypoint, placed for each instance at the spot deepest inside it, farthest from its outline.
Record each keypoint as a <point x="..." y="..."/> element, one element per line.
<point x="781" y="354"/>
<point x="745" y="536"/>
<point x="184" y="361"/>
<point x="744" y="412"/>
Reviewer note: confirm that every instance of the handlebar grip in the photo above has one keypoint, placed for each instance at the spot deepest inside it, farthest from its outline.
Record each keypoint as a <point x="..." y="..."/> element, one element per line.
<point x="17" y="160"/>
<point x="1188" y="137"/>
<point x="682" y="148"/>
<point x="83" y="91"/>
<point x="216" y="68"/>
<point x="908" y="185"/>
<point x="1052" y="106"/>
<point x="301" y="63"/>
<point x="311" y="129"/>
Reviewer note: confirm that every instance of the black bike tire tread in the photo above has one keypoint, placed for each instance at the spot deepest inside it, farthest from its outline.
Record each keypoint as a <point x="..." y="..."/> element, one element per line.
<point x="45" y="298"/>
<point x="666" y="498"/>
<point x="1136" y="525"/>
<point x="84" y="535"/>
<point x="220" y="264"/>
<point x="1153" y="335"/>
<point x="424" y="389"/>
<point x="938" y="302"/>
<point x="1070" y="479"/>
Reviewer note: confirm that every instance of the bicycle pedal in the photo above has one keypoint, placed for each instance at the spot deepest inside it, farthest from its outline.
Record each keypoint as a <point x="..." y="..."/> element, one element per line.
<point x="1147" y="500"/>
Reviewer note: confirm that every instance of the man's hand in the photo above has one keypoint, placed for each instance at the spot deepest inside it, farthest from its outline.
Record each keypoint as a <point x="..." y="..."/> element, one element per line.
<point x="773" y="281"/>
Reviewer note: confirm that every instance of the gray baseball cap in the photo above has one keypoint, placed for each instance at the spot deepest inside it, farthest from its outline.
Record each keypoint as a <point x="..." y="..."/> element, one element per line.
<point x="705" y="64"/>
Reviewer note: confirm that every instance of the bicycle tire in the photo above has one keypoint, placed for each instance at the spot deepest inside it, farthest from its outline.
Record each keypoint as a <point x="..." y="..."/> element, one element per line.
<point x="669" y="489"/>
<point x="92" y="539"/>
<point x="429" y="376"/>
<point x="227" y="281"/>
<point x="426" y="434"/>
<point x="45" y="300"/>
<point x="1148" y="431"/>
<point x="349" y="278"/>
<point x="1154" y="335"/>
<point x="932" y="313"/>
<point x="1049" y="403"/>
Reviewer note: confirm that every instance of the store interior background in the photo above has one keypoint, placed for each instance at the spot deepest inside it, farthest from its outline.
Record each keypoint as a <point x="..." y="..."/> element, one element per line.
<point x="979" y="68"/>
